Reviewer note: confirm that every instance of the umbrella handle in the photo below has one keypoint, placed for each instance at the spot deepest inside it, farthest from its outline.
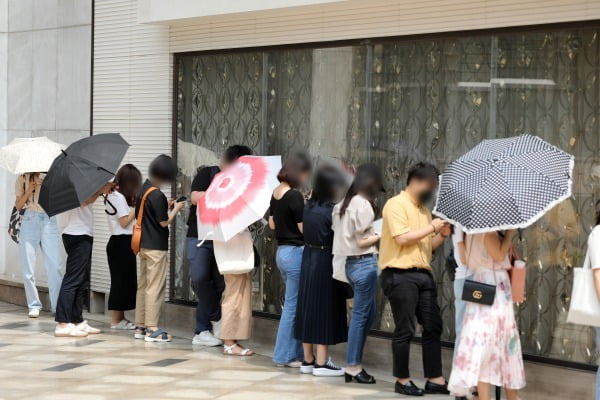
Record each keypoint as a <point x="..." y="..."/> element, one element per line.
<point x="205" y="239"/>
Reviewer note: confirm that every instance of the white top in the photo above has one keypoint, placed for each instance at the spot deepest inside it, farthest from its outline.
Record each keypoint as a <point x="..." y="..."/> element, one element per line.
<point x="458" y="237"/>
<point x="79" y="221"/>
<point x="354" y="225"/>
<point x="120" y="203"/>
<point x="593" y="252"/>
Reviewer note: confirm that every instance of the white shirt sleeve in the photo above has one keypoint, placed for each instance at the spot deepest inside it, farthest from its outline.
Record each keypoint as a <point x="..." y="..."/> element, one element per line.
<point x="458" y="236"/>
<point x="594" y="248"/>
<point x="120" y="203"/>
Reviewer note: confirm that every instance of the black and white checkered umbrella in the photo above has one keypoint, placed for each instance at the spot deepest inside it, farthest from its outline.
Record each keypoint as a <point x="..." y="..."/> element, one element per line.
<point x="504" y="184"/>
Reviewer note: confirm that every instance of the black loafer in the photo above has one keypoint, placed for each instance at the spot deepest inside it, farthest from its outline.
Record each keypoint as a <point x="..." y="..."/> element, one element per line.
<point x="410" y="389"/>
<point x="436" y="388"/>
<point x="361" y="377"/>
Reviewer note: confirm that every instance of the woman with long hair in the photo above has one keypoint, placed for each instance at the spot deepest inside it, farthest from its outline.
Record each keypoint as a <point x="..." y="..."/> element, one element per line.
<point x="38" y="230"/>
<point x="355" y="238"/>
<point x="593" y="256"/>
<point x="321" y="311"/>
<point x="287" y="206"/>
<point x="120" y="210"/>
<point x="489" y="350"/>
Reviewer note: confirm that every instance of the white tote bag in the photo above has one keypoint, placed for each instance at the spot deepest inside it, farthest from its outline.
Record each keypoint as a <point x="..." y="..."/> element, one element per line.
<point x="236" y="256"/>
<point x="339" y="268"/>
<point x="585" y="307"/>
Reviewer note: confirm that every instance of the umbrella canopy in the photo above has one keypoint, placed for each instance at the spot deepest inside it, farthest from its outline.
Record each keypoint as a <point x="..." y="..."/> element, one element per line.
<point x="237" y="197"/>
<point x="24" y="155"/>
<point x="504" y="184"/>
<point x="80" y="171"/>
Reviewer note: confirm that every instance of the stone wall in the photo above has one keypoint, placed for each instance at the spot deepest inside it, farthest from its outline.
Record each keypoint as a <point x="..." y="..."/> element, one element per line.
<point x="45" y="75"/>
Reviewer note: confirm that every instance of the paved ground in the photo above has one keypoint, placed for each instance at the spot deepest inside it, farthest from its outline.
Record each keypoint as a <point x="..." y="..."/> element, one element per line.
<point x="36" y="365"/>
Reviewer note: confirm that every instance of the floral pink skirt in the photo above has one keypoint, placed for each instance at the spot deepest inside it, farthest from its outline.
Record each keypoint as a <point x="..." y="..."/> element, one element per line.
<point x="489" y="348"/>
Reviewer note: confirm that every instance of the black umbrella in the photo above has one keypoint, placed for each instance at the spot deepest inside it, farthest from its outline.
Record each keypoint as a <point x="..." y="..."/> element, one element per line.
<point x="80" y="171"/>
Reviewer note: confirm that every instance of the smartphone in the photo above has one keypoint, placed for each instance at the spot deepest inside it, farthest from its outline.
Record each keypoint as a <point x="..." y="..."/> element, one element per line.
<point x="180" y="199"/>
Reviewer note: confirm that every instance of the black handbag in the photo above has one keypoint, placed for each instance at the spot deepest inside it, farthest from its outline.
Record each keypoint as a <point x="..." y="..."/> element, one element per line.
<point x="478" y="292"/>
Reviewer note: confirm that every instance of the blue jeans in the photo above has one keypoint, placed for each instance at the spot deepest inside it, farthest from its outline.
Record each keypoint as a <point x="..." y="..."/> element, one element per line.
<point x="362" y="275"/>
<point x="598" y="373"/>
<point x="207" y="282"/>
<point x="287" y="347"/>
<point x="39" y="230"/>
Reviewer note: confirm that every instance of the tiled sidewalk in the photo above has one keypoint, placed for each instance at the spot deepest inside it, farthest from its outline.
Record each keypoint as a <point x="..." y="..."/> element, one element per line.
<point x="112" y="365"/>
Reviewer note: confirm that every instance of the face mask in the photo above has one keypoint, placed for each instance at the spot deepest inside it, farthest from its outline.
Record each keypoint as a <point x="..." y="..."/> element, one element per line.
<point x="425" y="197"/>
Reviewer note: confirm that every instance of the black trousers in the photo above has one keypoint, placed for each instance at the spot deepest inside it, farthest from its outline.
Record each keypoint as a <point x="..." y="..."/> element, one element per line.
<point x="123" y="273"/>
<point x="207" y="282"/>
<point x="413" y="298"/>
<point x="74" y="288"/>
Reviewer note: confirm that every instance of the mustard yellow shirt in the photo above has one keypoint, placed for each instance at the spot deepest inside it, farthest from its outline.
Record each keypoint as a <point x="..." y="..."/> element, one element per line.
<point x="402" y="214"/>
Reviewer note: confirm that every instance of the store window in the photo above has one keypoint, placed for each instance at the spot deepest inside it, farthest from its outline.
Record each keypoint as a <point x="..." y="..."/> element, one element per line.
<point x="398" y="102"/>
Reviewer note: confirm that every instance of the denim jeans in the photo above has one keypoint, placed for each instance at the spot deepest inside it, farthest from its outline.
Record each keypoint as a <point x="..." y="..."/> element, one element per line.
<point x="362" y="275"/>
<point x="207" y="282"/>
<point x="287" y="347"/>
<point x="598" y="373"/>
<point x="39" y="230"/>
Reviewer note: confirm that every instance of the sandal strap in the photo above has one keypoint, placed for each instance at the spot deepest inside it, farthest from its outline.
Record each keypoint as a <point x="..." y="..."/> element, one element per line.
<point x="229" y="349"/>
<point x="159" y="331"/>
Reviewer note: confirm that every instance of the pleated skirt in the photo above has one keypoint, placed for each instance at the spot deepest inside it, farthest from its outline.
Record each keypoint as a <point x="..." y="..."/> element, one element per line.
<point x="321" y="312"/>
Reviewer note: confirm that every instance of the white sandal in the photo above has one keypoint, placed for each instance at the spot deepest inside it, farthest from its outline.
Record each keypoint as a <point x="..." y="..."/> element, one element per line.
<point x="228" y="350"/>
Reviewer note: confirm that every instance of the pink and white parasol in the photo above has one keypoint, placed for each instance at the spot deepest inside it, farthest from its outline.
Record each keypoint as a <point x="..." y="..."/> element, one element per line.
<point x="237" y="197"/>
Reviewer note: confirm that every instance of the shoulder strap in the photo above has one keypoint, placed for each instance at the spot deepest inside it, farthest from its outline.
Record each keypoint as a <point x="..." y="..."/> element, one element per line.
<point x="140" y="214"/>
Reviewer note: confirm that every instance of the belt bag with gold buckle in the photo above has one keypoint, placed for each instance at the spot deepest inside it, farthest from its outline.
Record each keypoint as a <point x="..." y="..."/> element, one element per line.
<point x="477" y="292"/>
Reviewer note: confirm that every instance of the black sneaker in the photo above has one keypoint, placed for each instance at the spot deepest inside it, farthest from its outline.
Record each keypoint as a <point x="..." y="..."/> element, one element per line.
<point x="410" y="389"/>
<point x="436" y="388"/>
<point x="307" y="368"/>
<point x="328" y="369"/>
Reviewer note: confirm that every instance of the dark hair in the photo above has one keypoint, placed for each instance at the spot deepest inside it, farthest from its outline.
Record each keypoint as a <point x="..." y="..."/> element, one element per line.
<point x="326" y="186"/>
<point x="368" y="181"/>
<point x="598" y="212"/>
<point x="232" y="153"/>
<point x="293" y="169"/>
<point x="163" y="167"/>
<point x="423" y="171"/>
<point x="129" y="181"/>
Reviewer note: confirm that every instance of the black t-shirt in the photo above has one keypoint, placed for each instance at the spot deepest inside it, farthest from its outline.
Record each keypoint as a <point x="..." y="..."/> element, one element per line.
<point x="200" y="183"/>
<point x="156" y="210"/>
<point x="287" y="214"/>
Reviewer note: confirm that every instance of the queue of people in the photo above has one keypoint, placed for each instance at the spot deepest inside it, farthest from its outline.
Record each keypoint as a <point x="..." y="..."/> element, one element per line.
<point x="335" y="223"/>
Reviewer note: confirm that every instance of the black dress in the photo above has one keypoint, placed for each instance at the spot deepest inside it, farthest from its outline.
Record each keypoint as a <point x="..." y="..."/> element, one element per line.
<point x="321" y="312"/>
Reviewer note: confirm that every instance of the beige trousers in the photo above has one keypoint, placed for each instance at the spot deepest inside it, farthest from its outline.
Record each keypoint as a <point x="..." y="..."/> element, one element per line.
<point x="236" y="307"/>
<point x="151" y="287"/>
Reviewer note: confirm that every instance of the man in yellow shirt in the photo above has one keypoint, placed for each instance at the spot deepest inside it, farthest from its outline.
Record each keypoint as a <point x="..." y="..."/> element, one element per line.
<point x="409" y="236"/>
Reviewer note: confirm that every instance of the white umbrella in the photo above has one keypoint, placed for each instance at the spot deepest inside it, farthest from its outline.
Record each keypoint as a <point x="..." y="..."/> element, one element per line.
<point x="237" y="197"/>
<point x="24" y="155"/>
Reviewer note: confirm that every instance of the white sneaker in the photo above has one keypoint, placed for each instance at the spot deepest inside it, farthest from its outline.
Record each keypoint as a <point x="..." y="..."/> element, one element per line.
<point x="85" y="327"/>
<point x="216" y="328"/>
<point x="69" y="330"/>
<point x="329" y="369"/>
<point x="124" y="325"/>
<point x="206" y="338"/>
<point x="34" y="313"/>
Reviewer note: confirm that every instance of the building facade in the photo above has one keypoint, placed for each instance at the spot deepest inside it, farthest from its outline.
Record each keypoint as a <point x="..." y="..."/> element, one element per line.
<point x="45" y="86"/>
<point x="391" y="82"/>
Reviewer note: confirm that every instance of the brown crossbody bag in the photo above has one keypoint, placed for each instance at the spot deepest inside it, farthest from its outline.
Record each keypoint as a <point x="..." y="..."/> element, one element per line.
<point x="136" y="238"/>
